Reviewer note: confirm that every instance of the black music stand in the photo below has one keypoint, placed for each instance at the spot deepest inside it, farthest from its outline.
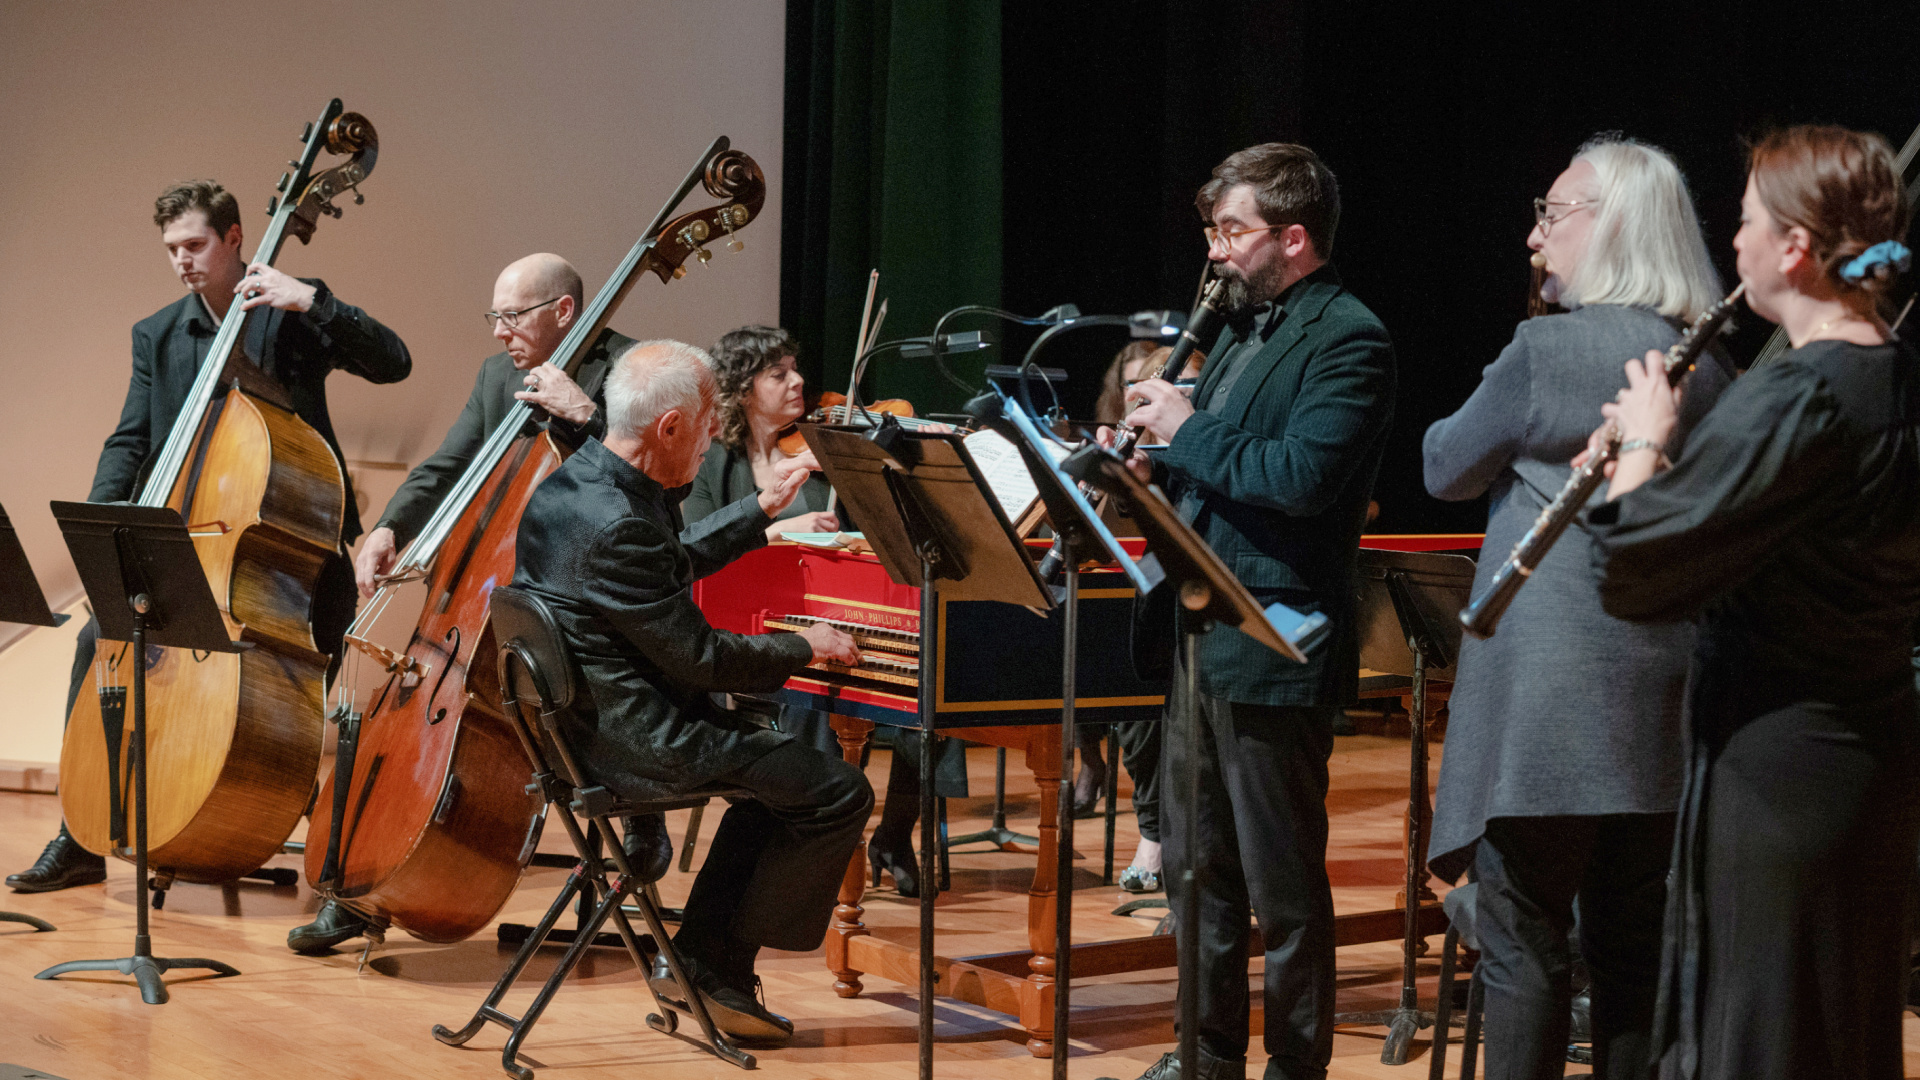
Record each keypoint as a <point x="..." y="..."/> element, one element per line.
<point x="146" y="585"/>
<point x="1209" y="592"/>
<point x="934" y="524"/>
<point x="1082" y="536"/>
<point x="21" y="601"/>
<point x="1407" y="601"/>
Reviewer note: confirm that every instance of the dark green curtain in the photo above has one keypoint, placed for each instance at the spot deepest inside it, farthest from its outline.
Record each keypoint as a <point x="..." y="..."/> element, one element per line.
<point x="892" y="161"/>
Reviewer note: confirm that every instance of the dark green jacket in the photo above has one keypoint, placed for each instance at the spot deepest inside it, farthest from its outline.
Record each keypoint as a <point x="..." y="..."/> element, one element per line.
<point x="492" y="398"/>
<point x="1283" y="476"/>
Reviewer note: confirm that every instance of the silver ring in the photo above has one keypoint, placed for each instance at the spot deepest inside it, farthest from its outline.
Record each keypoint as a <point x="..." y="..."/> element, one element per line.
<point x="533" y="386"/>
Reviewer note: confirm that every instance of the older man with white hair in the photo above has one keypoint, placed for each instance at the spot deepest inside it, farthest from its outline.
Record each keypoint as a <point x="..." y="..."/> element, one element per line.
<point x="602" y="541"/>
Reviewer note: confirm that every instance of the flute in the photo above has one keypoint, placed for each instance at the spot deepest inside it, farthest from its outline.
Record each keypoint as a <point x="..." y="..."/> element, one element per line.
<point x="1482" y="616"/>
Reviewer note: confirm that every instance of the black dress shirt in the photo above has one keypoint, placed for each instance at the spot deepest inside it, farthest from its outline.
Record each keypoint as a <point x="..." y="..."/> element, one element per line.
<point x="296" y="349"/>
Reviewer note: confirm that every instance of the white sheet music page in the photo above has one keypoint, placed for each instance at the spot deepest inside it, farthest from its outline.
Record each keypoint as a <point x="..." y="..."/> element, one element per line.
<point x="1000" y="463"/>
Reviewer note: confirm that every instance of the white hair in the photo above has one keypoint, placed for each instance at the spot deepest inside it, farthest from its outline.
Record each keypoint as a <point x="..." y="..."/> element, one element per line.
<point x="1646" y="249"/>
<point x="652" y="378"/>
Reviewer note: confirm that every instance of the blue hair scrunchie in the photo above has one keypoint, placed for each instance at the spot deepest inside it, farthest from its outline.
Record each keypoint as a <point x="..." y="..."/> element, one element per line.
<point x="1890" y="253"/>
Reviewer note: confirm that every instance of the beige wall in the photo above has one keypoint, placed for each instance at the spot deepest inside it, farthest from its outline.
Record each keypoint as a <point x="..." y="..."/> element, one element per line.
<point x="505" y="128"/>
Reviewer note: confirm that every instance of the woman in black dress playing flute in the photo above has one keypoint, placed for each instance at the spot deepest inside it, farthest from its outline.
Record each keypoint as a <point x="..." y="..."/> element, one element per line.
<point x="1790" y="527"/>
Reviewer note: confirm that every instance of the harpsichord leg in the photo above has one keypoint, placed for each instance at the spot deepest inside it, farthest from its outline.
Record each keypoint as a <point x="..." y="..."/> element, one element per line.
<point x="1036" y="996"/>
<point x="853" y="734"/>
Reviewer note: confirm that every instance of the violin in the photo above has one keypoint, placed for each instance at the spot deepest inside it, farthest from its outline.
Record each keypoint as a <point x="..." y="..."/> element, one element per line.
<point x="833" y="409"/>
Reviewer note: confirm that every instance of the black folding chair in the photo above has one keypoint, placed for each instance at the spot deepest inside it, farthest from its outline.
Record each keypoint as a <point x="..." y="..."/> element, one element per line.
<point x="536" y="677"/>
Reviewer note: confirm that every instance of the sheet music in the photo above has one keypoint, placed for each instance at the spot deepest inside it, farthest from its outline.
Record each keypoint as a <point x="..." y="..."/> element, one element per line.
<point x="1005" y="472"/>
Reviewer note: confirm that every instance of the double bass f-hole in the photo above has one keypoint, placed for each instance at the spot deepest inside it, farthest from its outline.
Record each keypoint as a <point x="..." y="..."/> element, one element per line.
<point x="453" y="653"/>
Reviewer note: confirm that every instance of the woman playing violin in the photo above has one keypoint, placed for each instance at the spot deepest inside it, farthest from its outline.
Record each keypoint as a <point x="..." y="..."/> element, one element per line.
<point x="761" y="393"/>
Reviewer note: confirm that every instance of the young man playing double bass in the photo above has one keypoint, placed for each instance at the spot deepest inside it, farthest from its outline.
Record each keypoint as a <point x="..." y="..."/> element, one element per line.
<point x="535" y="303"/>
<point x="300" y="337"/>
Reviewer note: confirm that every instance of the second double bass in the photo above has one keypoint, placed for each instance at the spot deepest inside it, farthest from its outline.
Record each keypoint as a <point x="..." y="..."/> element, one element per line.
<point x="433" y="824"/>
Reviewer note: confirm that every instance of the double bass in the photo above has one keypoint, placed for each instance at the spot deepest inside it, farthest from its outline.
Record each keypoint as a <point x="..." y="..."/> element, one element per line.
<point x="233" y="738"/>
<point x="434" y="822"/>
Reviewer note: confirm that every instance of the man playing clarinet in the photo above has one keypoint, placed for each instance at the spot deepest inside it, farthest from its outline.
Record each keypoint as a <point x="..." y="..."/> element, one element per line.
<point x="1272" y="461"/>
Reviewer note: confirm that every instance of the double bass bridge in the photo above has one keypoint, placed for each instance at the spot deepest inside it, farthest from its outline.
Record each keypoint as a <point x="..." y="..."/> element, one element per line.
<point x="410" y="669"/>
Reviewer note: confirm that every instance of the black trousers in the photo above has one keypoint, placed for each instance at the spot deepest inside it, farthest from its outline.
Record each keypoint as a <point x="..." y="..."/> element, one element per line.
<point x="773" y="873"/>
<point x="1140" y="748"/>
<point x="1262" y="848"/>
<point x="1530" y="872"/>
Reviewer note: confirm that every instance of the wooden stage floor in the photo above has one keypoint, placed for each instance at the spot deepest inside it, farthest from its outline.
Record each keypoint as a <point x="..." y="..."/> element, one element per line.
<point x="288" y="1016"/>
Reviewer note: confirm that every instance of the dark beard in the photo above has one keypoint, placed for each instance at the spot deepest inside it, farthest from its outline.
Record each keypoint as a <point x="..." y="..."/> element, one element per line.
<point x="1244" y="294"/>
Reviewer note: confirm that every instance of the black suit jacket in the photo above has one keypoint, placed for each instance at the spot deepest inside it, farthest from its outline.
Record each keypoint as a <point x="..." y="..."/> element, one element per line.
<point x="603" y="544"/>
<point x="492" y="398"/>
<point x="1283" y="477"/>
<point x="296" y="349"/>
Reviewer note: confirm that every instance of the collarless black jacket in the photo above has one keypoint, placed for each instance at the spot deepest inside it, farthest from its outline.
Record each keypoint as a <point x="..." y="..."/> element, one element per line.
<point x="296" y="349"/>
<point x="492" y="398"/>
<point x="603" y="544"/>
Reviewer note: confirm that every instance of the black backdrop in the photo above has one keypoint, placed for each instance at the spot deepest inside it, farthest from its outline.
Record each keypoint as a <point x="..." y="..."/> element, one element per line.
<point x="1441" y="124"/>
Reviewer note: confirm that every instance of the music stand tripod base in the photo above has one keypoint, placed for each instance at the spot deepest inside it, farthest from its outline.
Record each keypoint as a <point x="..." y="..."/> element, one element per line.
<point x="21" y="601"/>
<point x="146" y="586"/>
<point x="14" y="916"/>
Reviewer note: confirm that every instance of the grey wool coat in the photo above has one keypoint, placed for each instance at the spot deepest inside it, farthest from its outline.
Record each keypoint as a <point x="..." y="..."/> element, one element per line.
<point x="1566" y="710"/>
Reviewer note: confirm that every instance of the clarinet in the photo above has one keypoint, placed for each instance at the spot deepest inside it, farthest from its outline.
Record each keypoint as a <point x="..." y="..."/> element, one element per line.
<point x="1200" y="325"/>
<point x="1482" y="616"/>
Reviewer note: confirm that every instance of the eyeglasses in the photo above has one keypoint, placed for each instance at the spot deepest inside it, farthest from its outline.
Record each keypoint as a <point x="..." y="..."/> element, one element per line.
<point x="512" y="318"/>
<point x="1226" y="239"/>
<point x="1546" y="221"/>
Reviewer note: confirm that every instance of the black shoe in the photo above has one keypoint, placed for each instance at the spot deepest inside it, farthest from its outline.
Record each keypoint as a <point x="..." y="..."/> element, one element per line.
<point x="649" y="849"/>
<point x="1211" y="1068"/>
<point x="736" y="1011"/>
<point x="1580" y="1027"/>
<point x="63" y="865"/>
<point x="901" y="864"/>
<point x="1087" y="788"/>
<point x="335" y="924"/>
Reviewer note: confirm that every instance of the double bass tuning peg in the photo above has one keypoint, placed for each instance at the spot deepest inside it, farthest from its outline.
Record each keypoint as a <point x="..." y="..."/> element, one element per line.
<point x="306" y="132"/>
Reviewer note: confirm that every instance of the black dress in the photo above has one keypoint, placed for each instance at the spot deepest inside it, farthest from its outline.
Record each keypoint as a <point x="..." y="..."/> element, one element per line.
<point x="1791" y="528"/>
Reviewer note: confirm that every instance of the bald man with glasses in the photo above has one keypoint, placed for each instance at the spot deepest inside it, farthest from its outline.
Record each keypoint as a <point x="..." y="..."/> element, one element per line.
<point x="535" y="303"/>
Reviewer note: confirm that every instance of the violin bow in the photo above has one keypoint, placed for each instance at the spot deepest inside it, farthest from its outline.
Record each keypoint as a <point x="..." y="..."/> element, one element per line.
<point x="868" y="337"/>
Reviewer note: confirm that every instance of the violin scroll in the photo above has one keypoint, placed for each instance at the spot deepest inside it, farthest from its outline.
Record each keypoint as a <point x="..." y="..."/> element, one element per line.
<point x="730" y="175"/>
